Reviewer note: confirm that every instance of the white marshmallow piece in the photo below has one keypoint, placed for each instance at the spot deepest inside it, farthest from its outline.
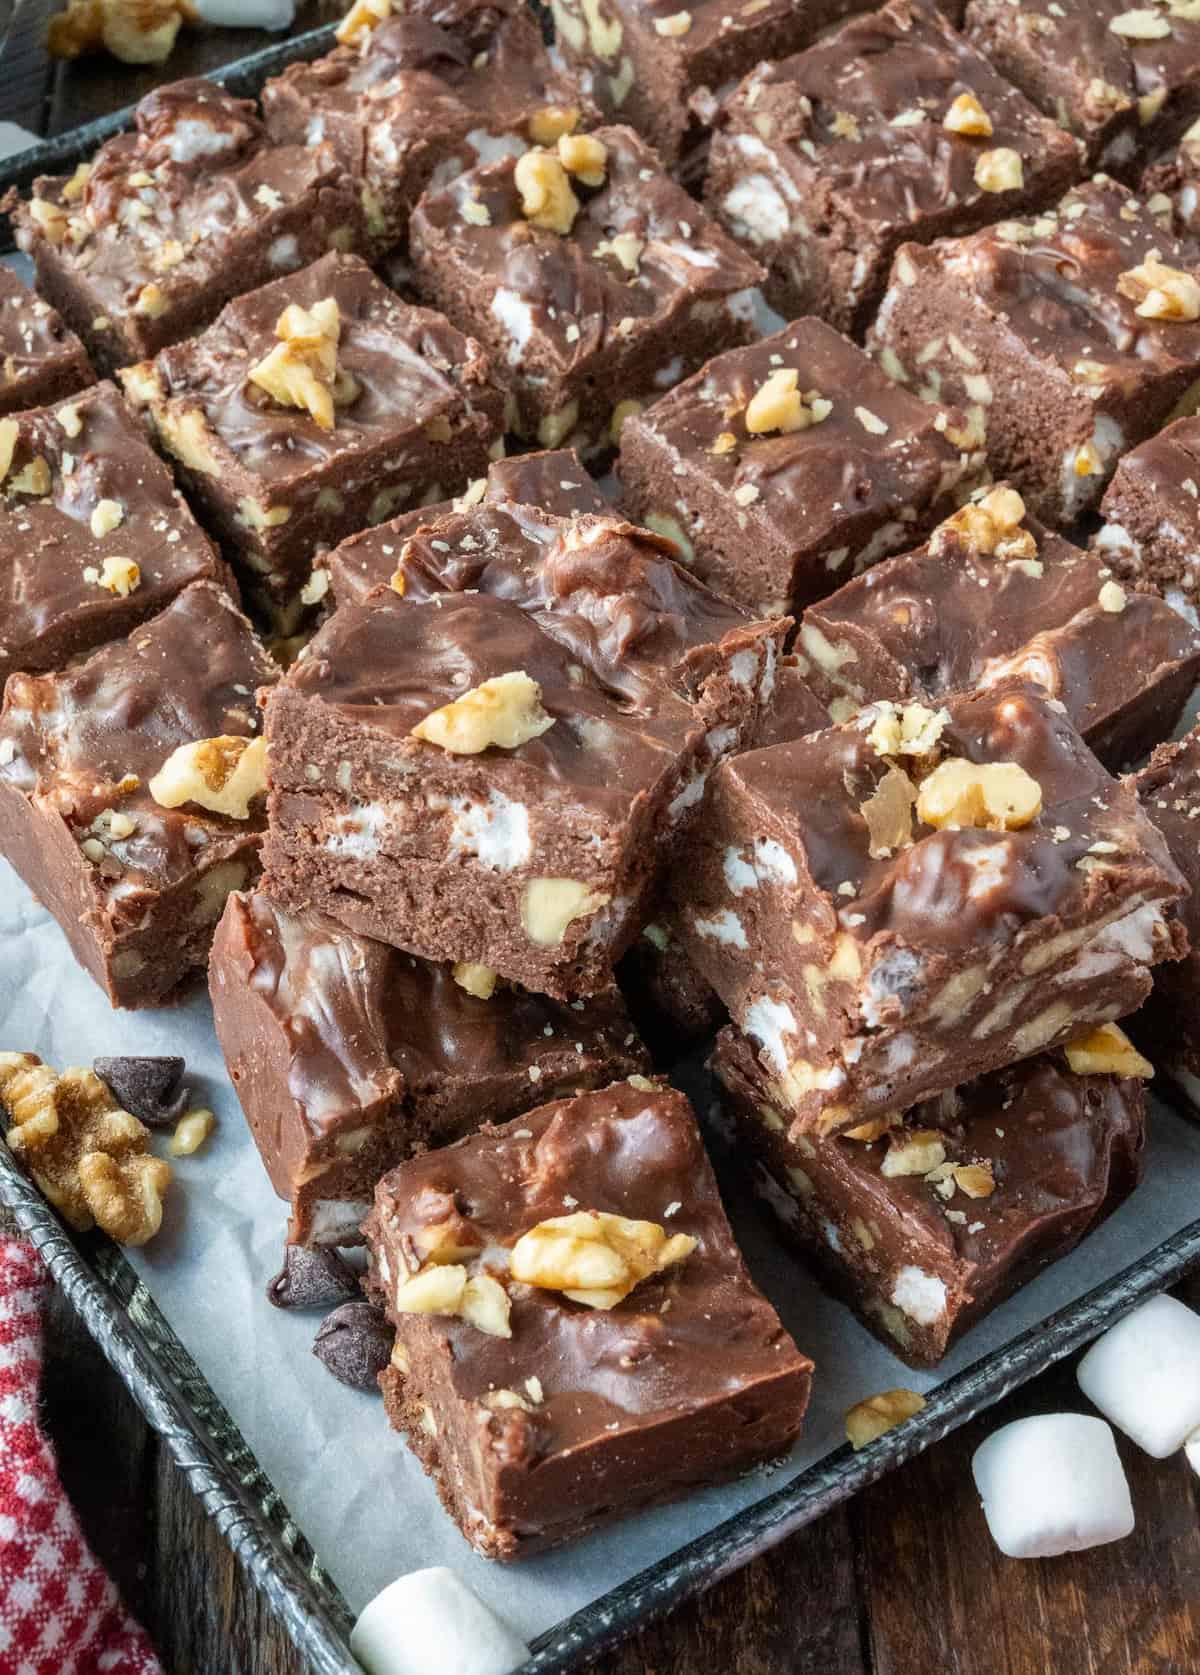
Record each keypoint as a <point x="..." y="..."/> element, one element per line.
<point x="430" y="1623"/>
<point x="1144" y="1375"/>
<point x="247" y="14"/>
<point x="1052" y="1484"/>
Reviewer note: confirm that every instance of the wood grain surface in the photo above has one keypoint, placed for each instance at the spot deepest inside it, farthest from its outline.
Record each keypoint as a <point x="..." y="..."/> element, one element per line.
<point x="902" y="1581"/>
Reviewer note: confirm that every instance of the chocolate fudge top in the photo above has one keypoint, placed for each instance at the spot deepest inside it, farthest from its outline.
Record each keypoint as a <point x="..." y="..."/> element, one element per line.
<point x="93" y="535"/>
<point x="159" y="212"/>
<point x="40" y="359"/>
<point x="888" y="119"/>
<point x="1045" y="1136"/>
<point x="707" y="35"/>
<point x="631" y="1150"/>
<point x="639" y="251"/>
<point x="398" y="370"/>
<point x="555" y="483"/>
<point x="1071" y="285"/>
<point x="367" y="1023"/>
<point x="86" y="743"/>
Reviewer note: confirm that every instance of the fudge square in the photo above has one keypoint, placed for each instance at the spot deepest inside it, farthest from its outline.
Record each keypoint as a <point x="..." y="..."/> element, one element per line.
<point x="785" y="467"/>
<point x="892" y="128"/>
<point x="555" y="482"/>
<point x="41" y="359"/>
<point x="1127" y="81"/>
<point x="993" y="597"/>
<point x="349" y="1056"/>
<point x="94" y="537"/>
<point x="1071" y="336"/>
<point x="941" y="1216"/>
<point x="576" y="1332"/>
<point x="592" y="278"/>
<point x="1151" y="512"/>
<point x="473" y="778"/>
<point x="648" y="64"/>
<point x="415" y="93"/>
<point x="130" y="791"/>
<point x="144" y="245"/>
<point x="313" y="406"/>
<point x="878" y="953"/>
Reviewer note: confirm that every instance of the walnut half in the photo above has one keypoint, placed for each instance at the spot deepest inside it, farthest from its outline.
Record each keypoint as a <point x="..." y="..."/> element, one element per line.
<point x="223" y="775"/>
<point x="595" y="1258"/>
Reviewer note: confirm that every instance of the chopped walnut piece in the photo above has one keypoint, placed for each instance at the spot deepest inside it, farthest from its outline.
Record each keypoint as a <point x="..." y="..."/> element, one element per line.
<point x="301" y="371"/>
<point x="447" y="1288"/>
<point x="869" y="1419"/>
<point x="888" y="813"/>
<point x="505" y="711"/>
<point x="363" y="16"/>
<point x="90" y="1158"/>
<point x="595" y="1258"/>
<point x="908" y="730"/>
<point x="119" y="575"/>
<point x="1000" y="170"/>
<point x="914" y="1151"/>
<point x="552" y="122"/>
<point x="549" y="905"/>
<point x="135" y="31"/>
<point x="995" y="796"/>
<point x="584" y="156"/>
<point x="975" y="1179"/>
<point x="191" y="1131"/>
<point x="1161" y="293"/>
<point x="547" y="200"/>
<point x="107" y="515"/>
<point x="9" y="432"/>
<point x="778" y="405"/>
<point x="1106" y="1051"/>
<point x="223" y="775"/>
<point x="33" y="478"/>
<point x="477" y="980"/>
<point x="678" y="23"/>
<point x="967" y="116"/>
<point x="990" y="526"/>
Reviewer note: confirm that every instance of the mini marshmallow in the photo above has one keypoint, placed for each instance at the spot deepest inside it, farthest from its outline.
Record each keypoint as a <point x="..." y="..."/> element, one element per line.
<point x="247" y="14"/>
<point x="1052" y="1484"/>
<point x="430" y="1623"/>
<point x="1144" y="1375"/>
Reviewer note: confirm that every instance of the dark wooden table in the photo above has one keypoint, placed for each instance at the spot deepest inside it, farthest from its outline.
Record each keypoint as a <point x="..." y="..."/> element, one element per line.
<point x="903" y="1581"/>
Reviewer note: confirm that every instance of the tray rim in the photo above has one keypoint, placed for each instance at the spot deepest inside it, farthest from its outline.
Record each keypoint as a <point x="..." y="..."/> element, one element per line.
<point x="268" y="1545"/>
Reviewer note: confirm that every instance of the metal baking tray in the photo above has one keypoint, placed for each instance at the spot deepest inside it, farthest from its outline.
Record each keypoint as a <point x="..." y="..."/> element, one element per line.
<point x="205" y="1442"/>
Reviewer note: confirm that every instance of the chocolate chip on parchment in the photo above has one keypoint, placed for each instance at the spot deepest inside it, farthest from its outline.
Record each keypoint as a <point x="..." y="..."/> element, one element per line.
<point x="150" y="1089"/>
<point x="312" y="1279"/>
<point x="354" y="1343"/>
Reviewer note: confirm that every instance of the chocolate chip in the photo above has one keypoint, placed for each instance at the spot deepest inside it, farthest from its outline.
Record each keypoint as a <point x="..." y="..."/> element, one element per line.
<point x="148" y="1088"/>
<point x="312" y="1279"/>
<point x="354" y="1343"/>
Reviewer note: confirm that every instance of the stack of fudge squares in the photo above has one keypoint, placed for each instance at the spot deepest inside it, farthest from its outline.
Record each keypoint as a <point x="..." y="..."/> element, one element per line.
<point x="837" y="739"/>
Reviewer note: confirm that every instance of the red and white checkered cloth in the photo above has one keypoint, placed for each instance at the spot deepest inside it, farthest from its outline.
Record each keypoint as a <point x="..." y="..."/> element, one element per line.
<point x="59" y="1612"/>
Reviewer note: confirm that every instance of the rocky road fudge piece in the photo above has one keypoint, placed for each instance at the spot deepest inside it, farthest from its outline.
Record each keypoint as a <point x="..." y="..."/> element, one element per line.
<point x="593" y="279"/>
<point x="1126" y="80"/>
<point x="496" y="775"/>
<point x="1151" y="511"/>
<point x="41" y="359"/>
<point x="649" y="64"/>
<point x="1071" y="336"/>
<point x="576" y="1331"/>
<point x="893" y="128"/>
<point x="910" y="900"/>
<point x="783" y="468"/>
<point x="94" y="537"/>
<point x="1168" y="789"/>
<point x="420" y="93"/>
<point x="554" y="482"/>
<point x="993" y="597"/>
<point x="349" y="1056"/>
<point x="130" y="791"/>
<point x="144" y="245"/>
<point x="943" y="1215"/>
<point x="313" y="406"/>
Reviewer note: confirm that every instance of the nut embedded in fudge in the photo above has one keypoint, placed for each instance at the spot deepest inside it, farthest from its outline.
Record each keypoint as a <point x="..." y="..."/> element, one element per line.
<point x="1126" y="80"/>
<point x="933" y="1220"/>
<point x="420" y="92"/>
<point x="41" y="359"/>
<point x="783" y="468"/>
<point x="313" y="406"/>
<point x="555" y="482"/>
<point x="647" y="64"/>
<point x="496" y="775"/>
<point x="349" y="1056"/>
<point x="130" y="791"/>
<point x="593" y="279"/>
<point x="1151" y="512"/>
<point x="1070" y="337"/>
<point x="576" y="1332"/>
<point x="992" y="597"/>
<point x="94" y="537"/>
<point x="144" y="245"/>
<point x="893" y="128"/>
<point x="902" y="903"/>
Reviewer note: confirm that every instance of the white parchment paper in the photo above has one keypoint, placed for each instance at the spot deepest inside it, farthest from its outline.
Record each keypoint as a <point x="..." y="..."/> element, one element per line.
<point x="349" y="1481"/>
